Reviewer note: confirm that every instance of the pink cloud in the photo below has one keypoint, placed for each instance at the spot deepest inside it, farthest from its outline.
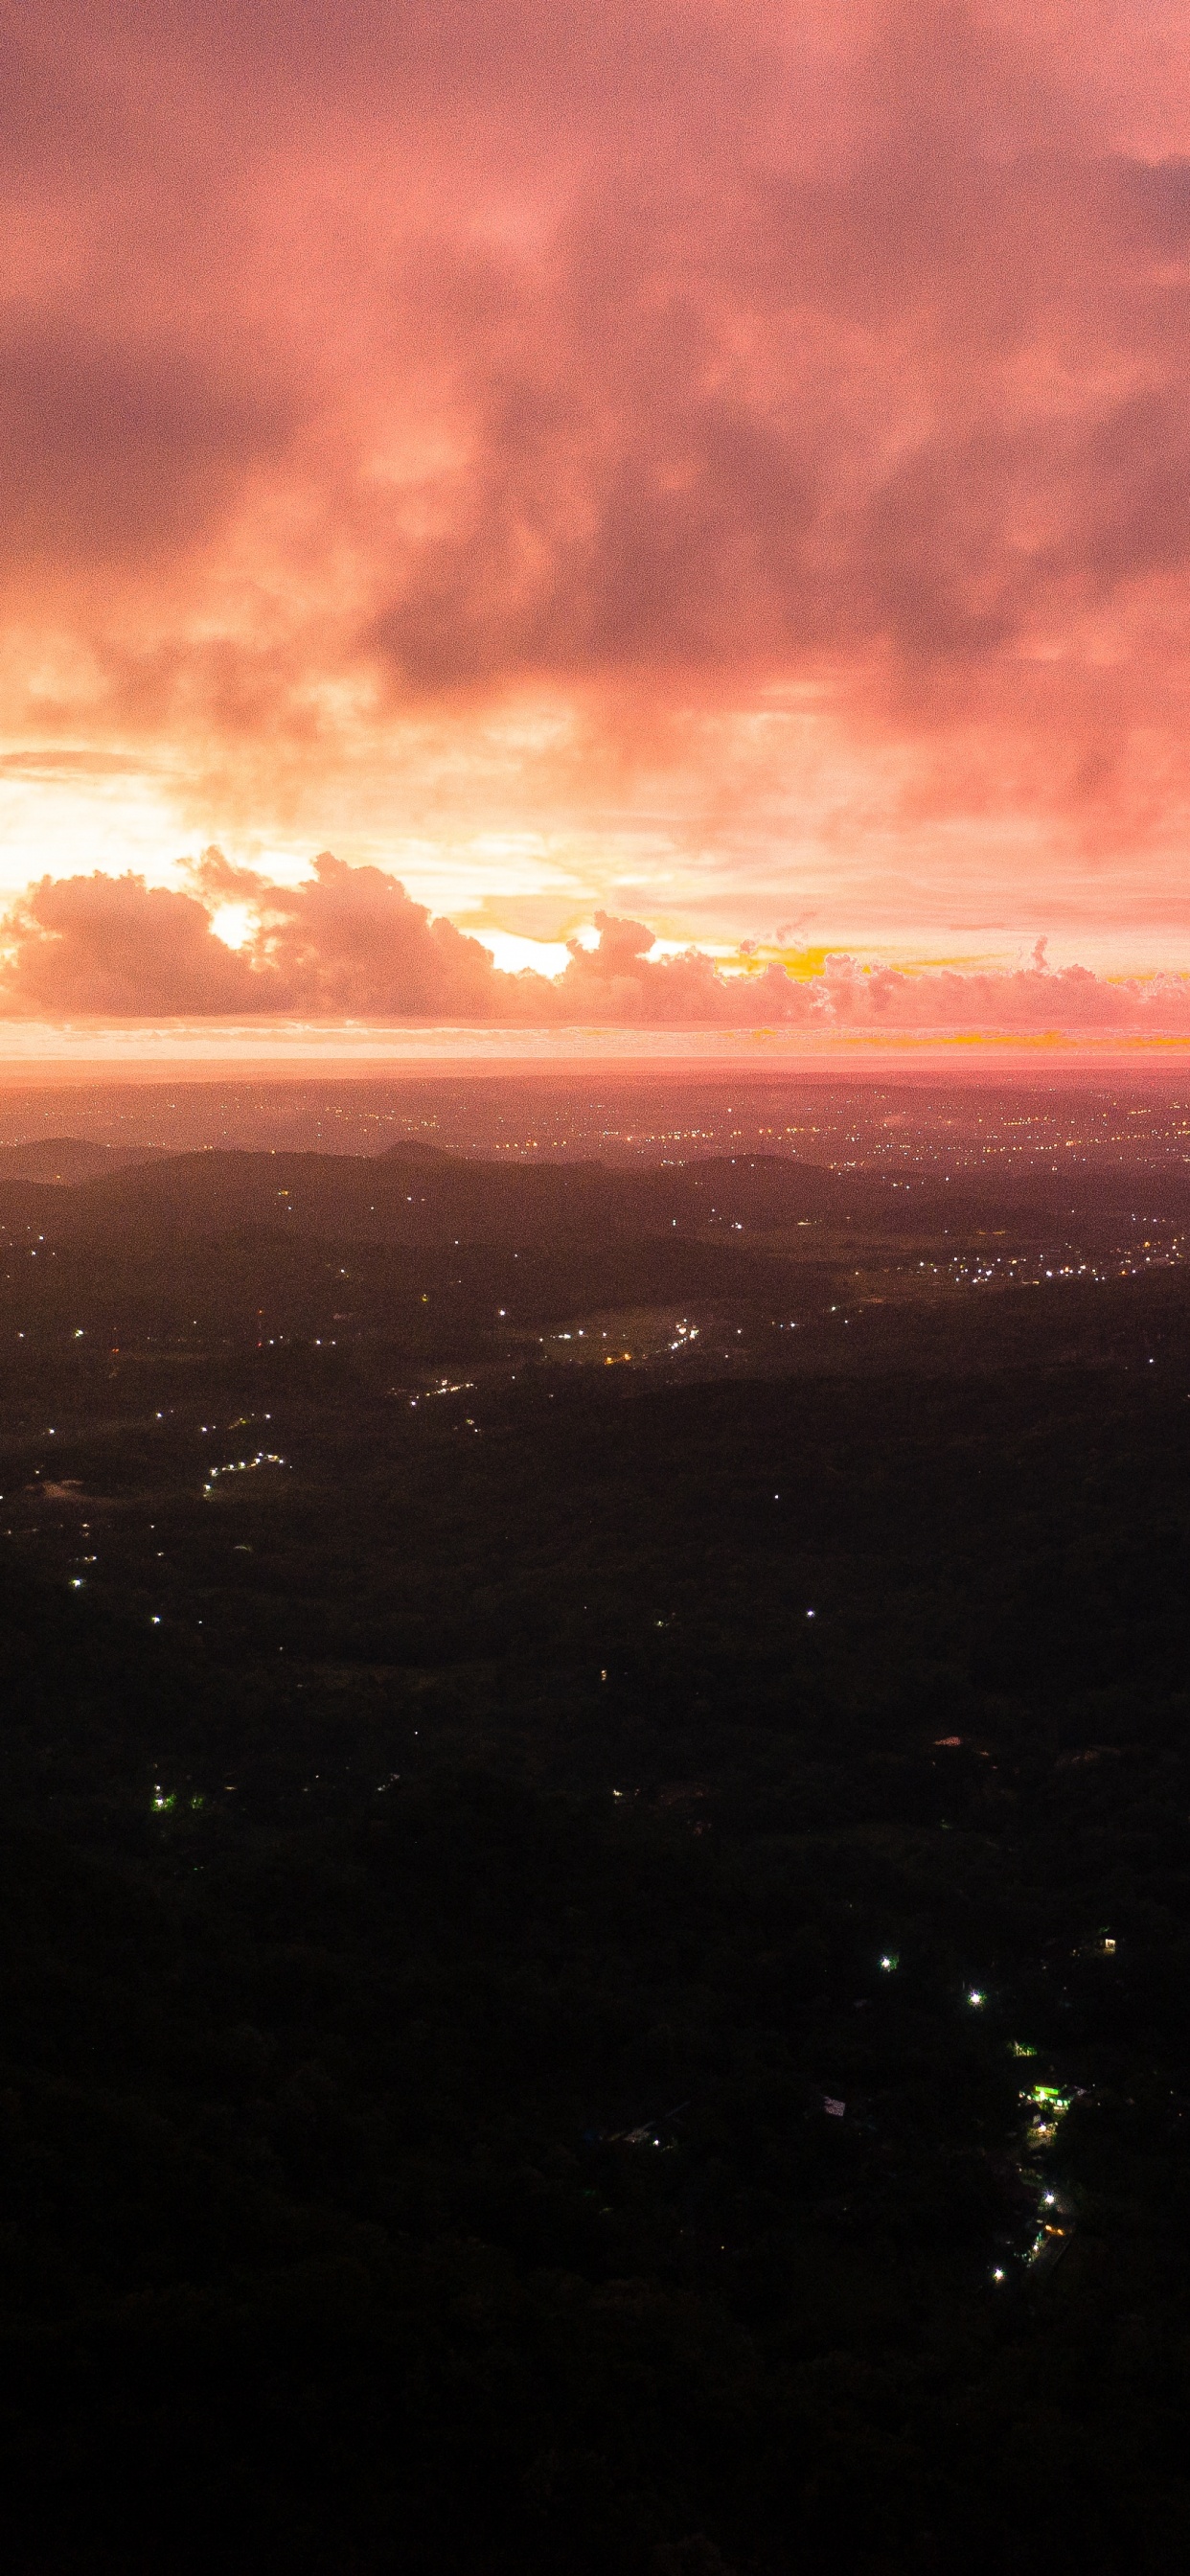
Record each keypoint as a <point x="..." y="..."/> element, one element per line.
<point x="103" y="945"/>
<point x="367" y="370"/>
<point x="351" y="944"/>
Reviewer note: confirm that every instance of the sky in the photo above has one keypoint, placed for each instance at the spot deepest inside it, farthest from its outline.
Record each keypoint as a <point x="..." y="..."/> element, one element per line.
<point x="519" y="513"/>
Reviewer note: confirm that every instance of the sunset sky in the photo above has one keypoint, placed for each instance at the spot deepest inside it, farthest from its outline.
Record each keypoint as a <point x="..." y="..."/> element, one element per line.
<point x="716" y="474"/>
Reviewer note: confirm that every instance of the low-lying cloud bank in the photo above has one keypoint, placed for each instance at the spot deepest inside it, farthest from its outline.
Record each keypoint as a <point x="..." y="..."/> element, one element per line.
<point x="350" y="943"/>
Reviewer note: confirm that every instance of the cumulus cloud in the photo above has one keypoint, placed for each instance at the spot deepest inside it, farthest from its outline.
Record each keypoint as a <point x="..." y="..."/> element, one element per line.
<point x="351" y="944"/>
<point x="102" y="945"/>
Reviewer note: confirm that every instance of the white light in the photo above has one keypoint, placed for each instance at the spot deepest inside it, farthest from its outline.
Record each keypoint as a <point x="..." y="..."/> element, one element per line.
<point x="512" y="953"/>
<point x="975" y="1997"/>
<point x="233" y="923"/>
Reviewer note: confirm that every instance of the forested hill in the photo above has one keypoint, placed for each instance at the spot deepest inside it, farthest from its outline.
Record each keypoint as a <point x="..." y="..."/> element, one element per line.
<point x="411" y="1196"/>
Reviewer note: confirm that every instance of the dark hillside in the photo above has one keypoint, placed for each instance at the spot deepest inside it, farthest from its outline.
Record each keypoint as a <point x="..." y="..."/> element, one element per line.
<point x="422" y="1198"/>
<point x="425" y="1196"/>
<point x="596" y="1885"/>
<point x="67" y="1159"/>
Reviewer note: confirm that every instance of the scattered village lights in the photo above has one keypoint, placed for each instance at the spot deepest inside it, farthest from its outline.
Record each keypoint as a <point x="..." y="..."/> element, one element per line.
<point x="1052" y="2202"/>
<point x="244" y="1467"/>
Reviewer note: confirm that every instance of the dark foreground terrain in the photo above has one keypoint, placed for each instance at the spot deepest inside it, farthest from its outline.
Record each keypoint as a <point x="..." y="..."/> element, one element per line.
<point x="596" y="1889"/>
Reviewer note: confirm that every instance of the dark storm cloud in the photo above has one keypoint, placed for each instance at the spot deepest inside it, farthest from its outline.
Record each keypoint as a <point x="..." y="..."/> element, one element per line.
<point x="111" y="449"/>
